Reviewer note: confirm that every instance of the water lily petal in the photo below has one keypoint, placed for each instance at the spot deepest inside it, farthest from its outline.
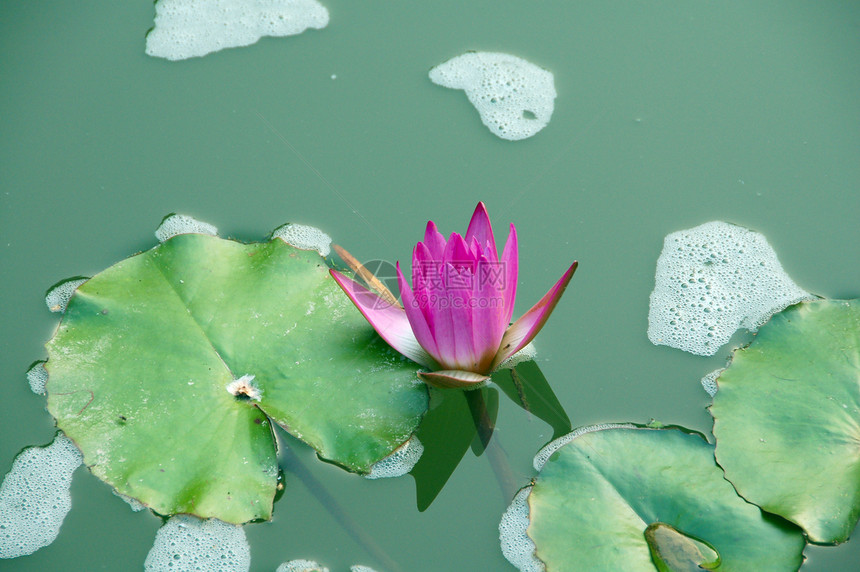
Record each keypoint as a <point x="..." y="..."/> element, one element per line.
<point x="510" y="269"/>
<point x="452" y="325"/>
<point x="434" y="240"/>
<point x="412" y="305"/>
<point x="453" y="379"/>
<point x="390" y="322"/>
<point x="457" y="251"/>
<point x="369" y="278"/>
<point x="453" y="307"/>
<point x="426" y="270"/>
<point x="480" y="228"/>
<point x="427" y="283"/>
<point x="424" y="296"/>
<point x="489" y="315"/>
<point x="475" y="249"/>
<point x="526" y="328"/>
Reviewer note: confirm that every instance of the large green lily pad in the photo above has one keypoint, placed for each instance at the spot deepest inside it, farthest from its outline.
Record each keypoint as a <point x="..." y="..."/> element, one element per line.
<point x="787" y="418"/>
<point x="140" y="366"/>
<point x="642" y="499"/>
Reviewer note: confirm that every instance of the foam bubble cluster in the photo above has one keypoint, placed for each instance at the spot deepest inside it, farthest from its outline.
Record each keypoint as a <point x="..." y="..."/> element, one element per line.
<point x="192" y="28"/>
<point x="187" y="543"/>
<point x="527" y="353"/>
<point x="709" y="382"/>
<point x="517" y="547"/>
<point x="37" y="376"/>
<point x="175" y="224"/>
<point x="58" y="296"/>
<point x="301" y="566"/>
<point x="135" y="504"/>
<point x="547" y="451"/>
<point x="304" y="237"/>
<point x="713" y="279"/>
<point x="34" y="497"/>
<point x="514" y="97"/>
<point x="399" y="462"/>
<point x="360" y="568"/>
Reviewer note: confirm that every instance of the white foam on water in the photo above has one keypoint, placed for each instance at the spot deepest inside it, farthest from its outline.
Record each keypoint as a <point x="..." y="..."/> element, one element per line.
<point x="547" y="451"/>
<point x="517" y="547"/>
<point x="176" y="224"/>
<point x="34" y="496"/>
<point x="37" y="376"/>
<point x="192" y="28"/>
<point x="514" y="97"/>
<point x="187" y="543"/>
<point x="399" y="462"/>
<point x="527" y="353"/>
<point x="58" y="297"/>
<point x="135" y="504"/>
<point x="304" y="237"/>
<point x="301" y="566"/>
<point x="360" y="568"/>
<point x="709" y="382"/>
<point x="712" y="280"/>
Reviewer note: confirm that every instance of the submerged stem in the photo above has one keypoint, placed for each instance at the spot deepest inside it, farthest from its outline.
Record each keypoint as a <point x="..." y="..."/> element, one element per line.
<point x="485" y="426"/>
<point x="294" y="465"/>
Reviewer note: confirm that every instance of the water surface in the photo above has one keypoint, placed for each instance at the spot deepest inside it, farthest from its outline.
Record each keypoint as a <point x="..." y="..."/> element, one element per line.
<point x="667" y="116"/>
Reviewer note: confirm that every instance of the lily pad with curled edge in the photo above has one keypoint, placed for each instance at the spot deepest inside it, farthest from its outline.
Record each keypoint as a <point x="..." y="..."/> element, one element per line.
<point x="168" y="368"/>
<point x="787" y="418"/>
<point x="635" y="498"/>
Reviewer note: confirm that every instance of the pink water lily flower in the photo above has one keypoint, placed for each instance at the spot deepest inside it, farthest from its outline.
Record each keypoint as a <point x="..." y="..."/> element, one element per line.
<point x="455" y="318"/>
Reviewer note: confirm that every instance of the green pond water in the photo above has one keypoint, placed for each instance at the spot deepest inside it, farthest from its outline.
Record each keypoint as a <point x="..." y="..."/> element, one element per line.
<point x="668" y="115"/>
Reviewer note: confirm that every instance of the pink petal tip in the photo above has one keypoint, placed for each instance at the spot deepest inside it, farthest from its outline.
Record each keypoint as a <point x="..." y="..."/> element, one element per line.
<point x="527" y="327"/>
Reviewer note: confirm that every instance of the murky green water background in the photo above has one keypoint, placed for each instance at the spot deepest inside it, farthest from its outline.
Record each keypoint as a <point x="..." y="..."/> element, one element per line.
<point x="668" y="115"/>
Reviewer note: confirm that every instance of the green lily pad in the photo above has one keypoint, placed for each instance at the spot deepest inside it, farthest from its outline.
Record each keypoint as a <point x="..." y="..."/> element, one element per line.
<point x="650" y="499"/>
<point x="787" y="418"/>
<point x="150" y="375"/>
